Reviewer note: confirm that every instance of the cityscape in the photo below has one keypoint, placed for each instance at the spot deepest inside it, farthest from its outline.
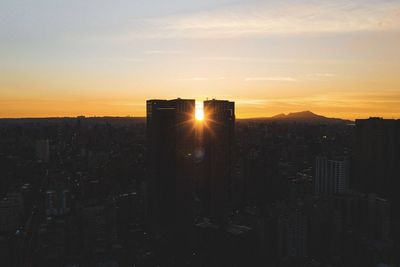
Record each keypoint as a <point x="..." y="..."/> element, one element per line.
<point x="199" y="133"/>
<point x="181" y="189"/>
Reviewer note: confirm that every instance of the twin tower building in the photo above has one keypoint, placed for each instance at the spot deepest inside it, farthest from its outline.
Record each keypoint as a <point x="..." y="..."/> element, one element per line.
<point x="189" y="165"/>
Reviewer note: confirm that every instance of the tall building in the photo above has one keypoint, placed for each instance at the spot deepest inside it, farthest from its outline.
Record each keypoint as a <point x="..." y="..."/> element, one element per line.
<point x="378" y="218"/>
<point x="218" y="141"/>
<point x="377" y="158"/>
<point x="43" y="150"/>
<point x="11" y="213"/>
<point x="331" y="176"/>
<point x="292" y="234"/>
<point x="170" y="189"/>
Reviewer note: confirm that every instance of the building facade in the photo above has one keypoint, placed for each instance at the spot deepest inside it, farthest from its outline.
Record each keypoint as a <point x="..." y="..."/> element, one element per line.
<point x="331" y="176"/>
<point x="170" y="189"/>
<point x="377" y="158"/>
<point x="218" y="143"/>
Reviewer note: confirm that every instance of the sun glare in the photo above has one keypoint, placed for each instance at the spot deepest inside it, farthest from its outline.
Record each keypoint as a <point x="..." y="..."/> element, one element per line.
<point x="199" y="113"/>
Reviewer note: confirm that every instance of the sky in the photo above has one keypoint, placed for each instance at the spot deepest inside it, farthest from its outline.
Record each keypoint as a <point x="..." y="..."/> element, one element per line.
<point x="99" y="57"/>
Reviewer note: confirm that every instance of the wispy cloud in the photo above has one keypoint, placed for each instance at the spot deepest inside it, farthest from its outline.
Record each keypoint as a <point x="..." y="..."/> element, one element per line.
<point x="126" y="103"/>
<point x="252" y="102"/>
<point x="322" y="75"/>
<point x="311" y="76"/>
<point x="112" y="59"/>
<point x="162" y="52"/>
<point x="257" y="18"/>
<point x="200" y="78"/>
<point x="273" y="79"/>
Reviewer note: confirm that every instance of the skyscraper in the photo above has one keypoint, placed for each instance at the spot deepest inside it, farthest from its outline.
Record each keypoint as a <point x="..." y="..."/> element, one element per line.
<point x="377" y="158"/>
<point x="43" y="150"/>
<point x="171" y="140"/>
<point x="331" y="176"/>
<point x="218" y="141"/>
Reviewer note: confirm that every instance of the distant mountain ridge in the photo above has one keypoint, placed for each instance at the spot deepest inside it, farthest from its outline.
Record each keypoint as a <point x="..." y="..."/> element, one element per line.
<point x="303" y="117"/>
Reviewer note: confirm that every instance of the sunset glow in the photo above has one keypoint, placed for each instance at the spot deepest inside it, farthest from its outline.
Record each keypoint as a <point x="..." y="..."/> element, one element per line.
<point x="199" y="113"/>
<point x="335" y="58"/>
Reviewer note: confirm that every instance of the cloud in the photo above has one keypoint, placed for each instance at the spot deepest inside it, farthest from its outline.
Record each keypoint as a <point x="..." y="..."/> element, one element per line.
<point x="323" y="75"/>
<point x="162" y="52"/>
<point x="263" y="18"/>
<point x="274" y="79"/>
<point x="312" y="76"/>
<point x="115" y="59"/>
<point x="200" y="78"/>
<point x="320" y="76"/>
<point x="126" y="103"/>
<point x="252" y="102"/>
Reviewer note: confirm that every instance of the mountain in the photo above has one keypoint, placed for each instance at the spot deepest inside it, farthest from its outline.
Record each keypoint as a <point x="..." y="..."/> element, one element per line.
<point x="303" y="117"/>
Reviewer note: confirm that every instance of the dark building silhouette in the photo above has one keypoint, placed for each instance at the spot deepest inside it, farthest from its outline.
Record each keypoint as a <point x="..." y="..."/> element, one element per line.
<point x="331" y="175"/>
<point x="218" y="141"/>
<point x="377" y="157"/>
<point x="171" y="140"/>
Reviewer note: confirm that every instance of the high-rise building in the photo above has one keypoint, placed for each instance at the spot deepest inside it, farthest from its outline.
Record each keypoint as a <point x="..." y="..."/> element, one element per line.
<point x="331" y="176"/>
<point x="378" y="218"/>
<point x="11" y="212"/>
<point x="218" y="141"/>
<point x="170" y="189"/>
<point x="377" y="158"/>
<point x="43" y="150"/>
<point x="292" y="234"/>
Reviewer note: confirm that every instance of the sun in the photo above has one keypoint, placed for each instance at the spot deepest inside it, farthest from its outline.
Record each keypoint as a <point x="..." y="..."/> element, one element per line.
<point x="199" y="114"/>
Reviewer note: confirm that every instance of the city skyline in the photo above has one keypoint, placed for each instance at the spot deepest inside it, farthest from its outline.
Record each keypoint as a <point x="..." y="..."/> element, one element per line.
<point x="172" y="191"/>
<point x="336" y="58"/>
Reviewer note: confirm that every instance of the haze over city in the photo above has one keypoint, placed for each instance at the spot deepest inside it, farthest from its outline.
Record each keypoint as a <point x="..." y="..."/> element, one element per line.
<point x="105" y="58"/>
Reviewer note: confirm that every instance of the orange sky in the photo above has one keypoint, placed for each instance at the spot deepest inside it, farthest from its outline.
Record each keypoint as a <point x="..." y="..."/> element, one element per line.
<point x="335" y="58"/>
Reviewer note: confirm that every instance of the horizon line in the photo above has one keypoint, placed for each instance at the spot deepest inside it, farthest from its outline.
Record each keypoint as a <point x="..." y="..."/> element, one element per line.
<point x="143" y="117"/>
